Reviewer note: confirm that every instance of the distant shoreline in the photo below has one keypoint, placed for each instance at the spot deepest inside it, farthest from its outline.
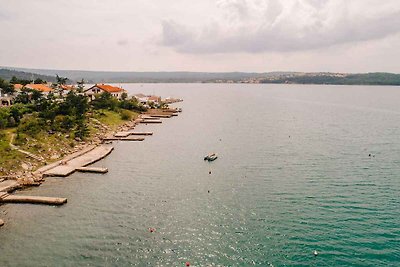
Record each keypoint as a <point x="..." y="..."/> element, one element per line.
<point x="323" y="78"/>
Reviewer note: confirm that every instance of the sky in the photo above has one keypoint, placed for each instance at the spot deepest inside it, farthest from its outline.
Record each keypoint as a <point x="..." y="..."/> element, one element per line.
<point x="201" y="35"/>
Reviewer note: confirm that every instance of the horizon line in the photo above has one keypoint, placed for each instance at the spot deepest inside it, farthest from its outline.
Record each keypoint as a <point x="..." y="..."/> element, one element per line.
<point x="185" y="71"/>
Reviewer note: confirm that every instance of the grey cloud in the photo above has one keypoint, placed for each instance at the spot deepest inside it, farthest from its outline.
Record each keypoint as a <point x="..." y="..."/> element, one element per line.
<point x="123" y="42"/>
<point x="175" y="34"/>
<point x="277" y="26"/>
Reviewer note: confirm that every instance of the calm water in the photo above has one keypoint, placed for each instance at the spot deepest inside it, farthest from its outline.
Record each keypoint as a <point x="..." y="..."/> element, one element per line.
<point x="294" y="175"/>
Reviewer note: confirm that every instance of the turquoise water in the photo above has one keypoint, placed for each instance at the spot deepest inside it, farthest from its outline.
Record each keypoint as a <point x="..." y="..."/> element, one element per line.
<point x="293" y="176"/>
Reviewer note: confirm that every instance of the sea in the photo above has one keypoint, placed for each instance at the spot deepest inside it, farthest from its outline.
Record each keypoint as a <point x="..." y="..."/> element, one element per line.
<point x="306" y="175"/>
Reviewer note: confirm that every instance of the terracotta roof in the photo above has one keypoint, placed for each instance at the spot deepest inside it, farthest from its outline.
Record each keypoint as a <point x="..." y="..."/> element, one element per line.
<point x="39" y="87"/>
<point x="140" y="95"/>
<point x="67" y="87"/>
<point x="109" y="88"/>
<point x="154" y="98"/>
<point x="18" y="86"/>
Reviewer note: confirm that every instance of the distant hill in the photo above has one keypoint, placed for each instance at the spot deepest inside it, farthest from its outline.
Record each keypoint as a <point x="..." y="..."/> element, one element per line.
<point x="7" y="74"/>
<point x="143" y="77"/>
<point x="211" y="77"/>
<point x="377" y="78"/>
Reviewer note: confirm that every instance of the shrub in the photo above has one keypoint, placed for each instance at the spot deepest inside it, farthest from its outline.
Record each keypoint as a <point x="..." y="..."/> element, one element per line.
<point x="63" y="123"/>
<point x="4" y="115"/>
<point x="125" y="115"/>
<point x="31" y="125"/>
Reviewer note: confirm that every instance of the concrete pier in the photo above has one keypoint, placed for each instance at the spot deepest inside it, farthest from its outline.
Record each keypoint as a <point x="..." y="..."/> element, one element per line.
<point x="129" y="138"/>
<point x="126" y="134"/>
<point x="141" y="133"/>
<point x="92" y="169"/>
<point x="33" y="200"/>
<point x="70" y="157"/>
<point x="150" y="121"/>
<point x="156" y="116"/>
<point x="122" y="134"/>
<point x="66" y="168"/>
<point x="9" y="185"/>
<point x="150" y="118"/>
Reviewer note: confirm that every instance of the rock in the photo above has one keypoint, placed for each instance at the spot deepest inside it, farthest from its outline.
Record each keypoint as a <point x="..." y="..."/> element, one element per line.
<point x="1" y="222"/>
<point x="26" y="166"/>
<point x="55" y="156"/>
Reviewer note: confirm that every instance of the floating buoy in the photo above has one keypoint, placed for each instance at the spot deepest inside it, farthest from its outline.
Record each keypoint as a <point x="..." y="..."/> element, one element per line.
<point x="152" y="230"/>
<point x="187" y="263"/>
<point x="315" y="253"/>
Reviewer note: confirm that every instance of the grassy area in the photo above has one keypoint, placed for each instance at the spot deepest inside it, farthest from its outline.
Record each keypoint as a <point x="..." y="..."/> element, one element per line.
<point x="52" y="145"/>
<point x="112" y="119"/>
<point x="8" y="158"/>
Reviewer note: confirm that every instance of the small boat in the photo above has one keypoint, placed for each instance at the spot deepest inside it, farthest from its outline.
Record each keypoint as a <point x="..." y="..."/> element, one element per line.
<point x="211" y="157"/>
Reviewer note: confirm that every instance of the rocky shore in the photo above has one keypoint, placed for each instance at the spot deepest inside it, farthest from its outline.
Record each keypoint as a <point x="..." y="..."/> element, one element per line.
<point x="34" y="177"/>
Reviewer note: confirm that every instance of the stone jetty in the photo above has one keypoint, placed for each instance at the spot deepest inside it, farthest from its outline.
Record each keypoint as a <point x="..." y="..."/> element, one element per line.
<point x="6" y="198"/>
<point x="9" y="185"/>
<point x="141" y="133"/>
<point x="92" y="169"/>
<point x="129" y="138"/>
<point x="66" y="168"/>
<point x="150" y="121"/>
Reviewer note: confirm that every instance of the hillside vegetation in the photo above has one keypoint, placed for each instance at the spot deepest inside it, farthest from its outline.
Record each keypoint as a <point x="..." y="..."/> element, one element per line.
<point x="7" y="74"/>
<point x="350" y="79"/>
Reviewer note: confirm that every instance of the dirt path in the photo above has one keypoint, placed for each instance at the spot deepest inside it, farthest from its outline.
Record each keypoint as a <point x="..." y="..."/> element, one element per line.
<point x="29" y="154"/>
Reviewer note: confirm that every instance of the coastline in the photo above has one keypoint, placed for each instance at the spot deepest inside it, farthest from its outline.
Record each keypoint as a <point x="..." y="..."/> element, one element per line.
<point x="83" y="155"/>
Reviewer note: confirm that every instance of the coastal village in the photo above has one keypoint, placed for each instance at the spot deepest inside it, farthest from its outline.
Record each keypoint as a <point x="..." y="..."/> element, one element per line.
<point x="7" y="99"/>
<point x="113" y="117"/>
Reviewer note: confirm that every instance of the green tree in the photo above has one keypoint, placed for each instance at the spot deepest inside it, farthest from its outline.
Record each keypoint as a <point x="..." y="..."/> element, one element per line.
<point x="36" y="95"/>
<point x="124" y="96"/>
<point x="39" y="81"/>
<point x="6" y="88"/>
<point x="81" y="86"/>
<point x="61" y="80"/>
<point x="22" y="97"/>
<point x="14" y="80"/>
<point x="81" y="130"/>
<point x="105" y="101"/>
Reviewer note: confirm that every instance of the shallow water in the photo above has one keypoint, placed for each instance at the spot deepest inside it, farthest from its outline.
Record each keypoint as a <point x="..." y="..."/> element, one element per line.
<point x="293" y="175"/>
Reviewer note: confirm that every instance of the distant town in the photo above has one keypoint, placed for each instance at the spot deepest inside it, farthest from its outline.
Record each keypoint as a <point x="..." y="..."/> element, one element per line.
<point x="320" y="78"/>
<point x="42" y="121"/>
<point x="25" y="91"/>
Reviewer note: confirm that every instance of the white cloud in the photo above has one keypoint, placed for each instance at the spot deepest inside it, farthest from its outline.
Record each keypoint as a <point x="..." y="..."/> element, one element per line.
<point x="205" y="35"/>
<point x="291" y="25"/>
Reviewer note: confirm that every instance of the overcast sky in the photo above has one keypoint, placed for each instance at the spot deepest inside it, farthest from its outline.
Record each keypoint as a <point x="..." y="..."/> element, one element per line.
<point x="201" y="35"/>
